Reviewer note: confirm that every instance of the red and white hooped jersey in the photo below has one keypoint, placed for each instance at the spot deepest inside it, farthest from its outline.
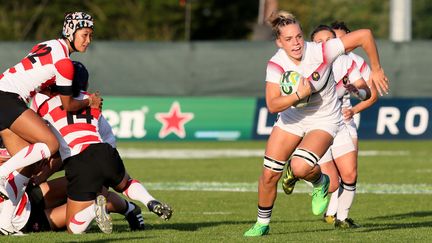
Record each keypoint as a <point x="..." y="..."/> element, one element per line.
<point x="47" y="63"/>
<point x="75" y="131"/>
<point x="345" y="71"/>
<point x="316" y="67"/>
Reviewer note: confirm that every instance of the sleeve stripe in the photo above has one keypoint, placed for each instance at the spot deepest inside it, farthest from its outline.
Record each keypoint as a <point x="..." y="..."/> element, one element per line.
<point x="276" y="66"/>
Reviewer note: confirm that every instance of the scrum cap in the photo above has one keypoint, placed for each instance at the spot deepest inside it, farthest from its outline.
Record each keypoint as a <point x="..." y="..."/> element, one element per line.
<point x="74" y="21"/>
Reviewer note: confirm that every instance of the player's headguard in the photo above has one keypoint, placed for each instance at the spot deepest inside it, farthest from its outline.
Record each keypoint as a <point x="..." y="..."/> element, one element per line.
<point x="80" y="79"/>
<point x="75" y="21"/>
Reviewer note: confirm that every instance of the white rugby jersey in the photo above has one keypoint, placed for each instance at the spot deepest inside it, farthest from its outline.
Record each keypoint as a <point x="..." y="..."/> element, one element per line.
<point x="365" y="73"/>
<point x="47" y="63"/>
<point x="316" y="67"/>
<point x="345" y="71"/>
<point x="75" y="131"/>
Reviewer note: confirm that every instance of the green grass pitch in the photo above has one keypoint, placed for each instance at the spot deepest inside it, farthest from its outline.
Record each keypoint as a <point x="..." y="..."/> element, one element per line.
<point x="215" y="198"/>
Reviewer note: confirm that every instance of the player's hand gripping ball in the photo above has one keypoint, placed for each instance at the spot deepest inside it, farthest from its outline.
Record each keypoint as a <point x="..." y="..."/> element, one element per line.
<point x="289" y="84"/>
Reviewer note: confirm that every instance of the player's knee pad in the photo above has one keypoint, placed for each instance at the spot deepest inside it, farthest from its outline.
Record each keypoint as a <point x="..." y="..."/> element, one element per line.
<point x="274" y="165"/>
<point x="349" y="187"/>
<point x="308" y="156"/>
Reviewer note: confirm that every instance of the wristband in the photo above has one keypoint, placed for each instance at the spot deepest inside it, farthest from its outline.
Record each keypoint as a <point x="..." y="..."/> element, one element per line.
<point x="298" y="97"/>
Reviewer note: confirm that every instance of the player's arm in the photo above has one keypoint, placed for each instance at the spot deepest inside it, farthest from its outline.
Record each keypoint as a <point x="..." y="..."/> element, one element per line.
<point x="106" y="132"/>
<point x="64" y="72"/>
<point x="277" y="103"/>
<point x="365" y="39"/>
<point x="367" y="103"/>
<point x="71" y="104"/>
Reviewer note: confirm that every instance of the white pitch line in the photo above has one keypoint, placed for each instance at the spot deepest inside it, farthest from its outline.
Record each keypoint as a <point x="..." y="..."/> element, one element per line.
<point x="300" y="187"/>
<point x="133" y="153"/>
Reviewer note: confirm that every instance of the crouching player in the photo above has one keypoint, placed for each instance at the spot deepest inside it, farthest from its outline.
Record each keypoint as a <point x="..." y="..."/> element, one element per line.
<point x="43" y="207"/>
<point x="89" y="162"/>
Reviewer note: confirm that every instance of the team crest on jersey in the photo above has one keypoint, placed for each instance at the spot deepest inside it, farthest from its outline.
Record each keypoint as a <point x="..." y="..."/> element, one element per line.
<point x="315" y="76"/>
<point x="345" y="80"/>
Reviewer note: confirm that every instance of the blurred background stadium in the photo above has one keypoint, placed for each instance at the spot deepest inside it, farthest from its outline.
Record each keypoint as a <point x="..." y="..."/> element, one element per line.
<point x="194" y="69"/>
<point x="177" y="75"/>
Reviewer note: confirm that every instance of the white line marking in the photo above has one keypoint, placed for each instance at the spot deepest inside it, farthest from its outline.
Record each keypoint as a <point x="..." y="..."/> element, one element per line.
<point x="300" y="187"/>
<point x="133" y="153"/>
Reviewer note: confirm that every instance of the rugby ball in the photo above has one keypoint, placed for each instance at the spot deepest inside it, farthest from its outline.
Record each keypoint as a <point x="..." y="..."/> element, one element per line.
<point x="289" y="83"/>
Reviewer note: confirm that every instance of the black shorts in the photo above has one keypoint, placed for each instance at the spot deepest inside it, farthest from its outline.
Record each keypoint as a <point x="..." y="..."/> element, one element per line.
<point x="38" y="220"/>
<point x="98" y="165"/>
<point x="11" y="107"/>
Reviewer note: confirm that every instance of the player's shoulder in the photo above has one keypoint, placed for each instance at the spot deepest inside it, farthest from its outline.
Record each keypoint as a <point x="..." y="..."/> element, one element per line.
<point x="343" y="60"/>
<point x="358" y="59"/>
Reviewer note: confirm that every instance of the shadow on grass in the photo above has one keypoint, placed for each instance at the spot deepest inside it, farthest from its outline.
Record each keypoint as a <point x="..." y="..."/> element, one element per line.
<point x="194" y="226"/>
<point x="403" y="224"/>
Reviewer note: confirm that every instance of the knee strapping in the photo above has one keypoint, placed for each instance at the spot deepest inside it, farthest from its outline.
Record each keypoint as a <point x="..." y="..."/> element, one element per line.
<point x="308" y="156"/>
<point x="273" y="165"/>
<point x="349" y="187"/>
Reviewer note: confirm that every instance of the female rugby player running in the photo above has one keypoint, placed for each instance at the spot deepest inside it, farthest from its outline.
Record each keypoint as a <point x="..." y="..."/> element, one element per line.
<point x="304" y="133"/>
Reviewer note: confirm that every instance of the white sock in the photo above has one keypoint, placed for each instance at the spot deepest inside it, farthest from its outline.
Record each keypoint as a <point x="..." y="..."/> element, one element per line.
<point x="136" y="191"/>
<point x="15" y="188"/>
<point x="81" y="220"/>
<point x="346" y="199"/>
<point x="333" y="204"/>
<point x="26" y="156"/>
<point x="264" y="214"/>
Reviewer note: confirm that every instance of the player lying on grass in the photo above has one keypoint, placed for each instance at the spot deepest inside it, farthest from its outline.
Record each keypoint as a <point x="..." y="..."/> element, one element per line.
<point x="43" y="207"/>
<point x="89" y="162"/>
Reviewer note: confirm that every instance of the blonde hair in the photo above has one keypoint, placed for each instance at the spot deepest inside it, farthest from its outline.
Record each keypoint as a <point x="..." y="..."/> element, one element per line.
<point x="279" y="19"/>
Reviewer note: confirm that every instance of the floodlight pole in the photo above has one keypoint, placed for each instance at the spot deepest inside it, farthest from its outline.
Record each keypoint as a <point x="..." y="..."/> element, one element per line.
<point x="400" y="20"/>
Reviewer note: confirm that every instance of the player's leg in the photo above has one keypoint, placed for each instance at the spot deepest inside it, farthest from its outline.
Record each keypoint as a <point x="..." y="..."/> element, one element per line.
<point x="304" y="165"/>
<point x="328" y="167"/>
<point x="79" y="215"/>
<point x="30" y="127"/>
<point x="134" y="190"/>
<point x="280" y="146"/>
<point x="347" y="166"/>
<point x="345" y="154"/>
<point x="15" y="186"/>
<point x="131" y="188"/>
<point x="130" y="210"/>
<point x="86" y="174"/>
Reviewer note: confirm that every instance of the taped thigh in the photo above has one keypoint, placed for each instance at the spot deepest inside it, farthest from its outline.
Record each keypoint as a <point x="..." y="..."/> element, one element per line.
<point x="274" y="165"/>
<point x="308" y="156"/>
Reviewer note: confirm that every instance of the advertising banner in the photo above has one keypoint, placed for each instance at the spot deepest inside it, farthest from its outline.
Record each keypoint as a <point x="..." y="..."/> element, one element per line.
<point x="396" y="118"/>
<point x="136" y="118"/>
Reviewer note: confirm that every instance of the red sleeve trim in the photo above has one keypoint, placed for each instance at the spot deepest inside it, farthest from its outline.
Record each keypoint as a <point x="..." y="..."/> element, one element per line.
<point x="65" y="68"/>
<point x="277" y="66"/>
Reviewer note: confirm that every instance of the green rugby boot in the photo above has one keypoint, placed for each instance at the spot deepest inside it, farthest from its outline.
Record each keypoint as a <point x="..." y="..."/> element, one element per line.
<point x="346" y="224"/>
<point x="320" y="197"/>
<point x="289" y="180"/>
<point x="258" y="230"/>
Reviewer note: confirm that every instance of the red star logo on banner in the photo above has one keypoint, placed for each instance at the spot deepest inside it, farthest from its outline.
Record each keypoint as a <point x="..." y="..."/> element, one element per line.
<point x="173" y="121"/>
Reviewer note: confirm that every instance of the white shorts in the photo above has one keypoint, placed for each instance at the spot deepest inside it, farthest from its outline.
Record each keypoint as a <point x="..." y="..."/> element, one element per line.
<point x="352" y="128"/>
<point x="342" y="144"/>
<point x="300" y="128"/>
<point x="22" y="212"/>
